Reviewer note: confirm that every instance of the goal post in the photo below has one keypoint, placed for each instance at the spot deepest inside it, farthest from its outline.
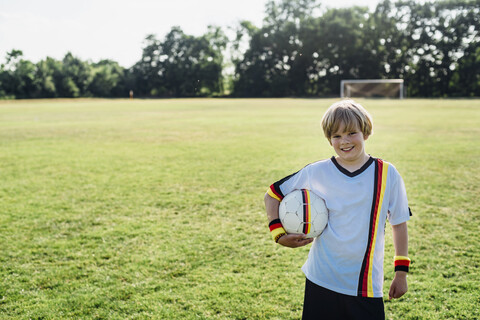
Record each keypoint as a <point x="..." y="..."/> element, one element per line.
<point x="373" y="88"/>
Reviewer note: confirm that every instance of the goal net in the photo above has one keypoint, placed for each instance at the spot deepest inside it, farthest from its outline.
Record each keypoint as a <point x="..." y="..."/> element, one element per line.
<point x="374" y="88"/>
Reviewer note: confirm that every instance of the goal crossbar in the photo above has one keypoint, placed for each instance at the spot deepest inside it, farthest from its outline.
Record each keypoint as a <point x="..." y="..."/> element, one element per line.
<point x="345" y="83"/>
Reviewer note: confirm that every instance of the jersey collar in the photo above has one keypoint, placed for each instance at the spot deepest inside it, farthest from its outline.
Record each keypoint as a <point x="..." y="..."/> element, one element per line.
<point x="354" y="173"/>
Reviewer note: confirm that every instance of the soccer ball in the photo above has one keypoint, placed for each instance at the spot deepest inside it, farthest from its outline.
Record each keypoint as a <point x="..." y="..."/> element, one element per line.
<point x="302" y="211"/>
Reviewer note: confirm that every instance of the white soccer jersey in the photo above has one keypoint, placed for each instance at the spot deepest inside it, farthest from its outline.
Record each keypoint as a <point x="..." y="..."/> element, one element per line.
<point x="348" y="256"/>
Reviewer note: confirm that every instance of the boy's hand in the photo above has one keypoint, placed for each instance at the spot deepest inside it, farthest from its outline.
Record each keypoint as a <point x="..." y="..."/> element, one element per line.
<point x="293" y="240"/>
<point x="399" y="285"/>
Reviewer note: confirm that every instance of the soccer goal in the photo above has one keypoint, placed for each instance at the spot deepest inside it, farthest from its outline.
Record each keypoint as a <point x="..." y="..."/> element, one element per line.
<point x="373" y="88"/>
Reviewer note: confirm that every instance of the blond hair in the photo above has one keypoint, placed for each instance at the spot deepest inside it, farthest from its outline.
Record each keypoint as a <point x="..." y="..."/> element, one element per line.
<point x="351" y="114"/>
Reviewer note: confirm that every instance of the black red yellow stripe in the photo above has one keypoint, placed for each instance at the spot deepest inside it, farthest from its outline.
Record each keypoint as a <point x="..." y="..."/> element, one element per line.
<point x="402" y="263"/>
<point x="274" y="190"/>
<point x="365" y="285"/>
<point x="276" y="229"/>
<point x="307" y="216"/>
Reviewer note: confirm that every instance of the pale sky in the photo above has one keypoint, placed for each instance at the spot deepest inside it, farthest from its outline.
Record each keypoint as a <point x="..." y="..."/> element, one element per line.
<point x="115" y="29"/>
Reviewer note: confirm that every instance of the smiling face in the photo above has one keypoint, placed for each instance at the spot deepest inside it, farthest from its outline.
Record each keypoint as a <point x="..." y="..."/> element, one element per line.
<point x="346" y="125"/>
<point x="349" y="145"/>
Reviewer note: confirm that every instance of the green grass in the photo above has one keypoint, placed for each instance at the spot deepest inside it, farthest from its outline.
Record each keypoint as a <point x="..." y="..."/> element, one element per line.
<point x="153" y="209"/>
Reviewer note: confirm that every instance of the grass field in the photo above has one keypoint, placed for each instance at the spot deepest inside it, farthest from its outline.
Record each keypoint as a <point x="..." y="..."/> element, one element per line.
<point x="153" y="209"/>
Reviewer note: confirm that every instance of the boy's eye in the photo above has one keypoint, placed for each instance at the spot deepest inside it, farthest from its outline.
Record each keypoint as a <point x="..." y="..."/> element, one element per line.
<point x="353" y="133"/>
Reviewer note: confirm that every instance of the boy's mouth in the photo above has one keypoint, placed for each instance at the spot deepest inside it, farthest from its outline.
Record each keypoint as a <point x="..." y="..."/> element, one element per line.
<point x="347" y="149"/>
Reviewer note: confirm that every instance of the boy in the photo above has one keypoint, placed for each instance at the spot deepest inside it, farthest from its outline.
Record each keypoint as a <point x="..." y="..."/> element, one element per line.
<point x="344" y="269"/>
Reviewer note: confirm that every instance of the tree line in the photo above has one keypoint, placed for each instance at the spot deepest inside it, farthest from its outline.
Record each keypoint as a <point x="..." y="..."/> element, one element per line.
<point x="301" y="49"/>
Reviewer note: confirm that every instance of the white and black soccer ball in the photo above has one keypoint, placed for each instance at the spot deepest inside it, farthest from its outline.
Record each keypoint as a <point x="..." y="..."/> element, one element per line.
<point x="302" y="211"/>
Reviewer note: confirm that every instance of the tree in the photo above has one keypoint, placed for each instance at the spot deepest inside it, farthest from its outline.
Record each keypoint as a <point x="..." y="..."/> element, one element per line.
<point x="298" y="53"/>
<point x="340" y="49"/>
<point x="273" y="65"/>
<point x="430" y="39"/>
<point x="7" y="80"/>
<point x="18" y="76"/>
<point x="76" y="77"/>
<point x="44" y="79"/>
<point x="465" y="80"/>
<point x="300" y="50"/>
<point x="107" y="80"/>
<point x="181" y="65"/>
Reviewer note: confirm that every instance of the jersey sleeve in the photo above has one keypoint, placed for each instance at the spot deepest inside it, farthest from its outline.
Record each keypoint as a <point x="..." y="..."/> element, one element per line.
<point x="297" y="180"/>
<point x="398" y="210"/>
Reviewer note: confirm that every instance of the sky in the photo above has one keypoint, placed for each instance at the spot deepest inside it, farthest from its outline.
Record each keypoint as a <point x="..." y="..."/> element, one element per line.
<point x="115" y="29"/>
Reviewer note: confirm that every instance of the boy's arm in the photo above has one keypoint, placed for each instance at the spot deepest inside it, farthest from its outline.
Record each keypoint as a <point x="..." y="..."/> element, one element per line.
<point x="400" y="241"/>
<point x="288" y="240"/>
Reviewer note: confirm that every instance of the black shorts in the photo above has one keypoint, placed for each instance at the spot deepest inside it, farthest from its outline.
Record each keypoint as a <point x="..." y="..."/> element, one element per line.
<point x="321" y="303"/>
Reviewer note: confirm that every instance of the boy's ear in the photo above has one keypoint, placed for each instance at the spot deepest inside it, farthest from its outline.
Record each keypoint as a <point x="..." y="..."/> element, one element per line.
<point x="365" y="137"/>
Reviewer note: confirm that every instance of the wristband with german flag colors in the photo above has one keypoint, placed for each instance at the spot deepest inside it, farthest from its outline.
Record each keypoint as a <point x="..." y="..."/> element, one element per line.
<point x="402" y="263"/>
<point x="276" y="229"/>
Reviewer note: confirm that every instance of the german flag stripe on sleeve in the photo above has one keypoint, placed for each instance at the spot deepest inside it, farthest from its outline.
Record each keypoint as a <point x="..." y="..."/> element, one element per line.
<point x="274" y="190"/>
<point x="365" y="285"/>
<point x="274" y="193"/>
